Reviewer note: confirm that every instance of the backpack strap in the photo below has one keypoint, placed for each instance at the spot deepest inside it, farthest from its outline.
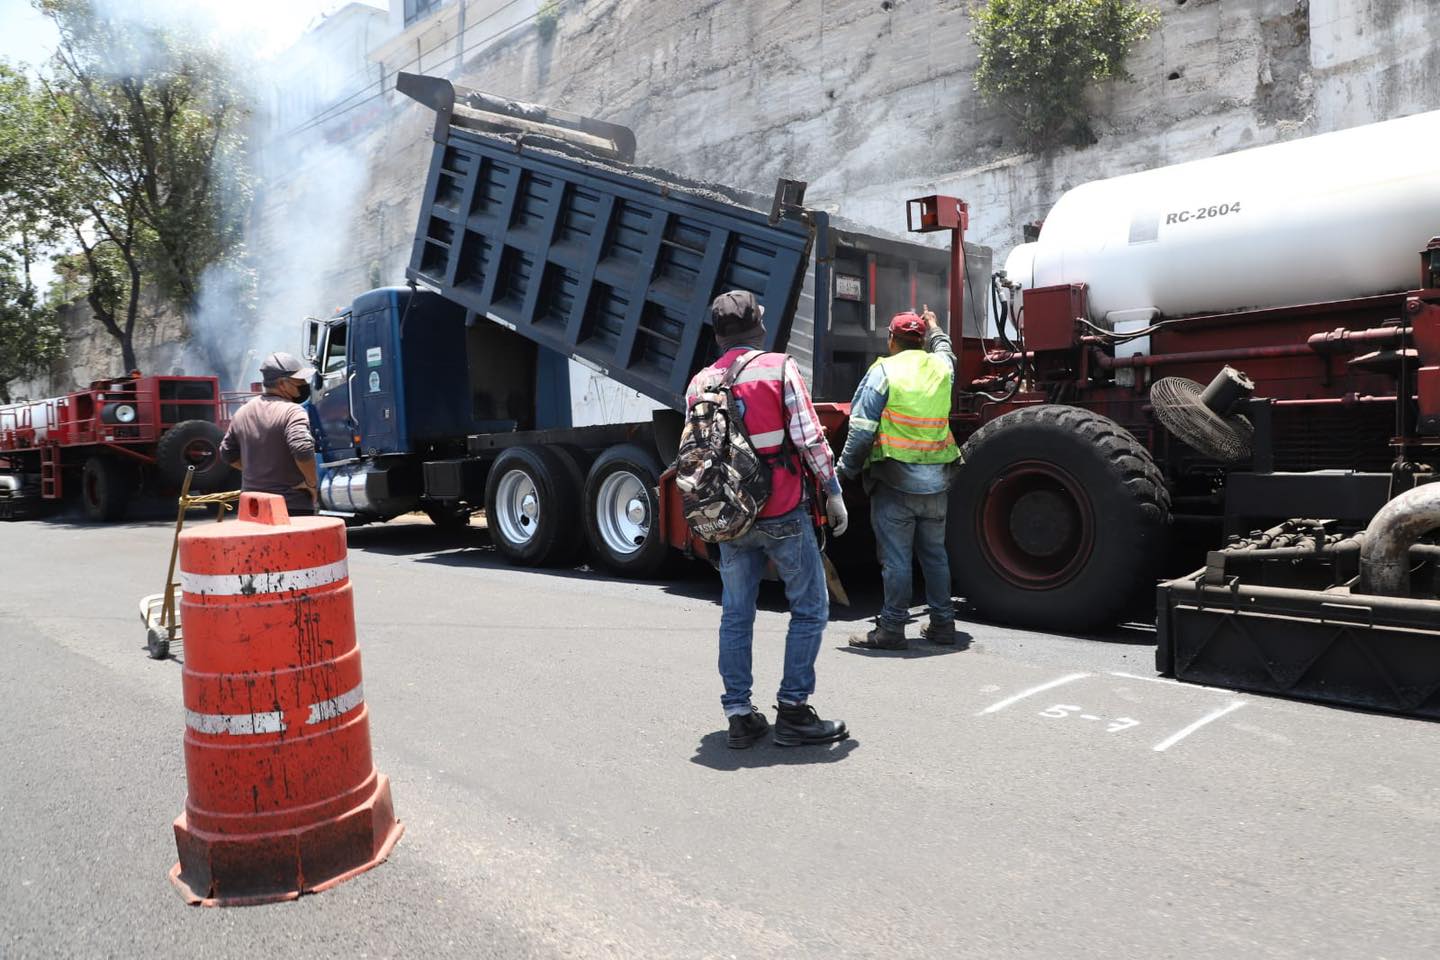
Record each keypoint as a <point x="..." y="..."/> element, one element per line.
<point x="732" y="373"/>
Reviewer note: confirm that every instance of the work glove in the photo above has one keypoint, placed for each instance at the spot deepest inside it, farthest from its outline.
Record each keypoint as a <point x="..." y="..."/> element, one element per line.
<point x="835" y="511"/>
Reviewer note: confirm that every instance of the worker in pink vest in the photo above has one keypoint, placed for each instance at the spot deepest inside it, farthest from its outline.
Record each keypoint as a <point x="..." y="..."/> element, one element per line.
<point x="784" y="428"/>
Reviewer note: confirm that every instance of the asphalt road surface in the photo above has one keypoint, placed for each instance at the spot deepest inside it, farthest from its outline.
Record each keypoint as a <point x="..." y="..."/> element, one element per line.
<point x="555" y="746"/>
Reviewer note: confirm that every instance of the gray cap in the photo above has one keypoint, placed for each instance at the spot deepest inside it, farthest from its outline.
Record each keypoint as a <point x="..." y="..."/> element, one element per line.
<point x="282" y="366"/>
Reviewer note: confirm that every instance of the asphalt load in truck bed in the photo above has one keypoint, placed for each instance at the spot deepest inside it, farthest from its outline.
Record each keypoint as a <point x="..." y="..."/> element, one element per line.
<point x="668" y="179"/>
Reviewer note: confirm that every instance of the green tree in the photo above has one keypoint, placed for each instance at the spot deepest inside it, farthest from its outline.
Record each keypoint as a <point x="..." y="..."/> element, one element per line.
<point x="150" y="130"/>
<point x="1037" y="57"/>
<point x="29" y="337"/>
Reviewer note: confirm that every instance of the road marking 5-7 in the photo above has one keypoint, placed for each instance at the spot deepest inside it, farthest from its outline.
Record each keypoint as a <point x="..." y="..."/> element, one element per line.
<point x="1062" y="710"/>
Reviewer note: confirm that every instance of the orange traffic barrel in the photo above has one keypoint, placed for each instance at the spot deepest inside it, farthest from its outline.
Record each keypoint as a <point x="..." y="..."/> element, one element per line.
<point x="283" y="796"/>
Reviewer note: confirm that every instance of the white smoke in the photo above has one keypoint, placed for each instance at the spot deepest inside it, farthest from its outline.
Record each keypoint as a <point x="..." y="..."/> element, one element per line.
<point x="311" y="90"/>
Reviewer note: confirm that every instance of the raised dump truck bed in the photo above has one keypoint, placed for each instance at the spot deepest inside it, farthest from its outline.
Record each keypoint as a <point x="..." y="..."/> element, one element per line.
<point x="615" y="266"/>
<point x="611" y="268"/>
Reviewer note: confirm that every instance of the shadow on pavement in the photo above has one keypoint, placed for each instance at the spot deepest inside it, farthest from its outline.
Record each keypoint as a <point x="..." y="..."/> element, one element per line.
<point x="471" y="547"/>
<point x="918" y="649"/>
<point x="140" y="515"/>
<point x="695" y="580"/>
<point x="712" y="752"/>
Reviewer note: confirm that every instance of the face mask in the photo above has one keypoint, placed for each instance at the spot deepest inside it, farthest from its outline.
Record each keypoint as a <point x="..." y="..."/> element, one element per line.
<point x="303" y="392"/>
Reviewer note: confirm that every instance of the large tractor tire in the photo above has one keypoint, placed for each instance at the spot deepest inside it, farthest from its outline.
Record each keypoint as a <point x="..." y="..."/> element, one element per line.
<point x="193" y="443"/>
<point x="622" y="512"/>
<point x="1058" y="516"/>
<point x="106" y="486"/>
<point x="532" y="507"/>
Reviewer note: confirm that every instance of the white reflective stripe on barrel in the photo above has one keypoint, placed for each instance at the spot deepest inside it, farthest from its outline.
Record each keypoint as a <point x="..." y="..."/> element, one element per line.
<point x="272" y="721"/>
<point x="276" y="581"/>
<point x="236" y="724"/>
<point x="336" y="706"/>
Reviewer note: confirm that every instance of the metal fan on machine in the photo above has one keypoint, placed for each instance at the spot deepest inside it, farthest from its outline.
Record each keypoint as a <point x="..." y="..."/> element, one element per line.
<point x="1204" y="417"/>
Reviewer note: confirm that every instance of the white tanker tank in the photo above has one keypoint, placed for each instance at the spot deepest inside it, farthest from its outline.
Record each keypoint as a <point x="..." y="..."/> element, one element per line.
<point x="1330" y="217"/>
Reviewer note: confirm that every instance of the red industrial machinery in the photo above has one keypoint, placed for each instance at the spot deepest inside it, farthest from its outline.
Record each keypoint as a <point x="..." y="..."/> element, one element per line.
<point x="1107" y="426"/>
<point x="109" y="441"/>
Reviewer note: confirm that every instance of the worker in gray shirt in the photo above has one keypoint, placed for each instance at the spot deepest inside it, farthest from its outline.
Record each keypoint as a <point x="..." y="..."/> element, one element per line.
<point x="269" y="441"/>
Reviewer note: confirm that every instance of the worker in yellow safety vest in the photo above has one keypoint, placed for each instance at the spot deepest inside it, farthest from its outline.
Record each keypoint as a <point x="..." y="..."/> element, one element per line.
<point x="900" y="437"/>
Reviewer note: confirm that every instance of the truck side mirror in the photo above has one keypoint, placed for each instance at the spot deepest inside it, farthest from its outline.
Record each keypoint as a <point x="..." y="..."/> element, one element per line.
<point x="311" y="335"/>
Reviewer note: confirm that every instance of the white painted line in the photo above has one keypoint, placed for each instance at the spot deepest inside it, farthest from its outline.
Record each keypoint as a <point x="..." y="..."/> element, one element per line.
<point x="1210" y="717"/>
<point x="1136" y="676"/>
<point x="1167" y="680"/>
<point x="996" y="707"/>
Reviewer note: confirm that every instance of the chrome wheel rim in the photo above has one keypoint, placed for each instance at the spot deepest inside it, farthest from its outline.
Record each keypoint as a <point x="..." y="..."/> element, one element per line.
<point x="517" y="507"/>
<point x="622" y="513"/>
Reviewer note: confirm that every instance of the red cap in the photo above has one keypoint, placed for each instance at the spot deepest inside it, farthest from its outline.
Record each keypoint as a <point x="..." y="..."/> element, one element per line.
<point x="907" y="324"/>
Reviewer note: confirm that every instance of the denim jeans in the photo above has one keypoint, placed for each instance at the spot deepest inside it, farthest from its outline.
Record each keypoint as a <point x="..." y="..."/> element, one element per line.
<point x="789" y="542"/>
<point x="908" y="525"/>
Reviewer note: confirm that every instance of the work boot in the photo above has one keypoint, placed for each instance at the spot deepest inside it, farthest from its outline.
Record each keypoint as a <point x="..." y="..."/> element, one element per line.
<point x="939" y="631"/>
<point x="883" y="637"/>
<point x="746" y="728"/>
<point x="798" y="725"/>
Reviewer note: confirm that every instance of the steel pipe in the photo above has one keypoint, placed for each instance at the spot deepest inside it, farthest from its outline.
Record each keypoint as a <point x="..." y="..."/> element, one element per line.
<point x="1237" y="354"/>
<point x="1341" y="340"/>
<point x="1348" y="400"/>
<point x="1385" y="556"/>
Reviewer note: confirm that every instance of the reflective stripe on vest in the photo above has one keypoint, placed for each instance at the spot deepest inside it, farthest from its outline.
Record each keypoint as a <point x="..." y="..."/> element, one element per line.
<point x="915" y="426"/>
<point x="760" y="388"/>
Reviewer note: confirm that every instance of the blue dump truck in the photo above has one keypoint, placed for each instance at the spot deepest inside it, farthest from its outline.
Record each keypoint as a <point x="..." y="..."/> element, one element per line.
<point x="542" y="246"/>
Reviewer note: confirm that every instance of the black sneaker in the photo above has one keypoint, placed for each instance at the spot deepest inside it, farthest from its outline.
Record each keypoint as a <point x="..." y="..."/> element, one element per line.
<point x="746" y="728"/>
<point x="883" y="637"/>
<point x="798" y="725"/>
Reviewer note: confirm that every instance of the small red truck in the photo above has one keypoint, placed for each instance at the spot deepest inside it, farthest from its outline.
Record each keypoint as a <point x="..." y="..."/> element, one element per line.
<point x="104" y="444"/>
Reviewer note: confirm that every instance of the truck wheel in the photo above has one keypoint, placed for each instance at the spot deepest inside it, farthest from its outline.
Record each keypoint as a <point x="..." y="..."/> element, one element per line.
<point x="622" y="512"/>
<point x="105" y="489"/>
<point x="1056" y="518"/>
<point x="532" y="507"/>
<point x="193" y="443"/>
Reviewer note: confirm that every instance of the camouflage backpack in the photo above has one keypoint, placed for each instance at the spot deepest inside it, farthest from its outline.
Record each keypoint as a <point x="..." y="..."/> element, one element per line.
<point x="723" y="482"/>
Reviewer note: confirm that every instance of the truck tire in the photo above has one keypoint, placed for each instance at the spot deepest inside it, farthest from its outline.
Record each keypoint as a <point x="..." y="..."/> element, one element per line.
<point x="106" y="486"/>
<point x="622" y="510"/>
<point x="193" y="443"/>
<point x="532" y="507"/>
<point x="1056" y="519"/>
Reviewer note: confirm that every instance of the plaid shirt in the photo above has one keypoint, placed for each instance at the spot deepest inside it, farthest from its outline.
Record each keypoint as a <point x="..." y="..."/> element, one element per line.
<point x="802" y="422"/>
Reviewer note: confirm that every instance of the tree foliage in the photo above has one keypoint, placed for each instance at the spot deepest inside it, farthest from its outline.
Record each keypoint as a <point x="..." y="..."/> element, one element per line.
<point x="143" y="159"/>
<point x="1037" y="57"/>
<point x="29" y="337"/>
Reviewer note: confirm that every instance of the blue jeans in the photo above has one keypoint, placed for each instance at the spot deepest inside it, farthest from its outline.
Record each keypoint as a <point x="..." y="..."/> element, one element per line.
<point x="908" y="525"/>
<point x="789" y="543"/>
